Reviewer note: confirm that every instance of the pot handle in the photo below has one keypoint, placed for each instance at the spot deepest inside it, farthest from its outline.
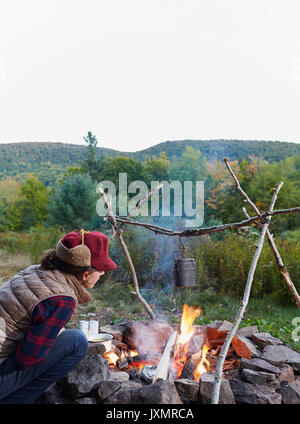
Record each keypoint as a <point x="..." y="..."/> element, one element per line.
<point x="177" y="250"/>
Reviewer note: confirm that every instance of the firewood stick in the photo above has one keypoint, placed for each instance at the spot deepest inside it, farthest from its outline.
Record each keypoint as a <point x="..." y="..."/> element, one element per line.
<point x="127" y="254"/>
<point x="283" y="270"/>
<point x="243" y="305"/>
<point x="162" y="370"/>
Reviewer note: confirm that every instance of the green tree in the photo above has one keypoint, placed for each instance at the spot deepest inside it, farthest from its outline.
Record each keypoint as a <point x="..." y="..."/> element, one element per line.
<point x="10" y="189"/>
<point x="74" y="203"/>
<point x="10" y="212"/>
<point x="191" y="166"/>
<point x="91" y="164"/>
<point x="33" y="202"/>
<point x="229" y="201"/>
<point x="261" y="188"/>
<point x="4" y="224"/>
<point x="72" y="170"/>
<point x="156" y="169"/>
<point x="114" y="166"/>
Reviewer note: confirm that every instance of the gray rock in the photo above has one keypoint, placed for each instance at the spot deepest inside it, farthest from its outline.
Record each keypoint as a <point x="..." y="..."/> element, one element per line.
<point x="98" y="348"/>
<point x="147" y="373"/>
<point x="120" y="376"/>
<point x="286" y="374"/>
<point x="163" y="392"/>
<point x="247" y="331"/>
<point x="280" y="354"/>
<point x="188" y="390"/>
<point x="87" y="375"/>
<point x="108" y="388"/>
<point x="206" y="388"/>
<point x="253" y="393"/>
<point x="85" y="401"/>
<point x="265" y="339"/>
<point x="258" y="364"/>
<point x="259" y="377"/>
<point x="131" y="385"/>
<point x="290" y="393"/>
<point x="225" y="326"/>
<point x="54" y="395"/>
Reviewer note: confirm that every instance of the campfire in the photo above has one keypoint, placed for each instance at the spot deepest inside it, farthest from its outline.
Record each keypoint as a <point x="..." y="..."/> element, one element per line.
<point x="153" y="361"/>
<point x="188" y="353"/>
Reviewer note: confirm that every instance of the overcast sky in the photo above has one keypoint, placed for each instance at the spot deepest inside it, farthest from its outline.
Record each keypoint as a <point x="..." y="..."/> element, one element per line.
<point x="140" y="72"/>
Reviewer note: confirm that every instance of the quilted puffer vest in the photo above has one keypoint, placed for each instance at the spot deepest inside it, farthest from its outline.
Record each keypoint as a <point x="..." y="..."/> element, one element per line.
<point x="22" y="293"/>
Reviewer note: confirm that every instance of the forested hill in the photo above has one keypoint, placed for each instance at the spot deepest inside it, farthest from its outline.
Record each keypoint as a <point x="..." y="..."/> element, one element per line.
<point x="49" y="160"/>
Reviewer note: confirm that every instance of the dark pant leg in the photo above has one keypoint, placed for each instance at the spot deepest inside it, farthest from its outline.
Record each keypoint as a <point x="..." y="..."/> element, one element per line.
<point x="25" y="386"/>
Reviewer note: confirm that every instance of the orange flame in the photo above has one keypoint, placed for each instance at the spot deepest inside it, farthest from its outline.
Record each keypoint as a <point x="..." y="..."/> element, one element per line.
<point x="189" y="314"/>
<point x="203" y="365"/>
<point x="112" y="358"/>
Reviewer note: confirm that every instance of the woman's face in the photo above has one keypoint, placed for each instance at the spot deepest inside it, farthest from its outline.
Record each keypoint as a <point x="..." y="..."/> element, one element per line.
<point x="89" y="279"/>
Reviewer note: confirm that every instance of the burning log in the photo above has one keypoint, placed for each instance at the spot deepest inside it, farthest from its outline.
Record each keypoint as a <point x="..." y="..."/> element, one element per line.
<point x="119" y="345"/>
<point x="195" y="344"/>
<point x="189" y="314"/>
<point x="162" y="370"/>
<point x="122" y="363"/>
<point x="146" y="357"/>
<point x="191" y="365"/>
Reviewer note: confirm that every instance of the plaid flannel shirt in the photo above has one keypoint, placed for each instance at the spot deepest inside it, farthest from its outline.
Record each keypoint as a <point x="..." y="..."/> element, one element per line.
<point x="48" y="318"/>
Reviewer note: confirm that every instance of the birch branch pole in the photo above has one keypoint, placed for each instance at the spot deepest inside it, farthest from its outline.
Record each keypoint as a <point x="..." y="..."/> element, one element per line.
<point x="118" y="233"/>
<point x="270" y="239"/>
<point x="207" y="230"/>
<point x="243" y="305"/>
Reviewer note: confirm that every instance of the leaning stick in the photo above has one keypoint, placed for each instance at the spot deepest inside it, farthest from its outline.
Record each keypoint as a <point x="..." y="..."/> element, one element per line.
<point x="243" y="305"/>
<point x="162" y="370"/>
<point x="118" y="232"/>
<point x="270" y="239"/>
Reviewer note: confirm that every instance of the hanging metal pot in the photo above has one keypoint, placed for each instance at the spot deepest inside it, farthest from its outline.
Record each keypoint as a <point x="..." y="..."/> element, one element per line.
<point x="184" y="272"/>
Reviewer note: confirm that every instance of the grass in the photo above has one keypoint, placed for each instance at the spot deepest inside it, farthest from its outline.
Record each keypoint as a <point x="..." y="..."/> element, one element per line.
<point x="113" y="302"/>
<point x="11" y="264"/>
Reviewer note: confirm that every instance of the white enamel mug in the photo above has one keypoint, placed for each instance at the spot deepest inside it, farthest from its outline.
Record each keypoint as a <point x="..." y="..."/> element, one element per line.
<point x="93" y="327"/>
<point x="84" y="327"/>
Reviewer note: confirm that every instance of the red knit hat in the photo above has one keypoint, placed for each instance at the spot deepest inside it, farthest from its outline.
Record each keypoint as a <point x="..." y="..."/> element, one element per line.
<point x="72" y="248"/>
